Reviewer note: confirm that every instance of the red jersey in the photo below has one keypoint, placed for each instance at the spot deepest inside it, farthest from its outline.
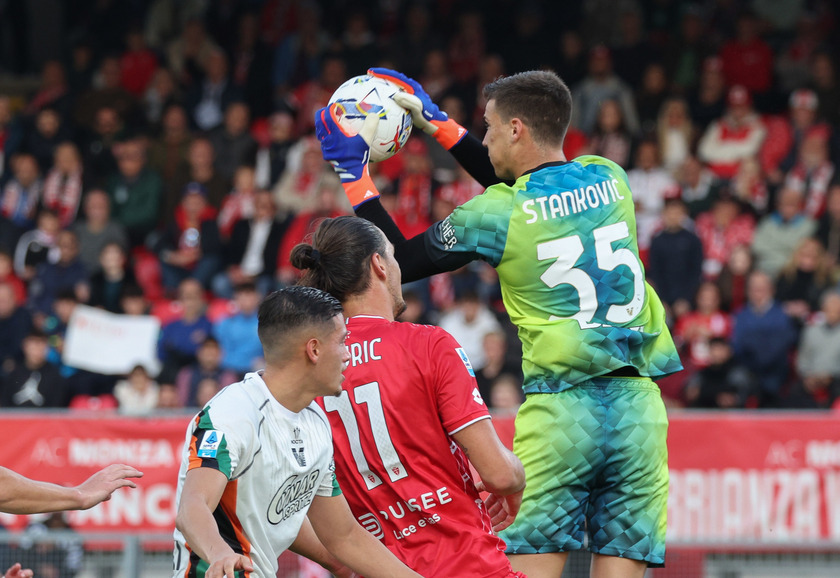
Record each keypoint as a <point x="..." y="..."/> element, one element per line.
<point x="407" y="389"/>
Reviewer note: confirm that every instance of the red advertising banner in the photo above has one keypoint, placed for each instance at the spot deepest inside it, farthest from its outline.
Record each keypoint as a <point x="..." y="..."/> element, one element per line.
<point x="738" y="477"/>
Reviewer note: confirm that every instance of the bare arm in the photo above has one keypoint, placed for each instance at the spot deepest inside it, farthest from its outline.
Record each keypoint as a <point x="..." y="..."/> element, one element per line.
<point x="502" y="474"/>
<point x="309" y="546"/>
<point x="349" y="542"/>
<point x="17" y="572"/>
<point x="20" y="495"/>
<point x="202" y="491"/>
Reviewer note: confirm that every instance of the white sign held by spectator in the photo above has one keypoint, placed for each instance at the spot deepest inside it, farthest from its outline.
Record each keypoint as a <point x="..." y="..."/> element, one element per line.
<point x="108" y="343"/>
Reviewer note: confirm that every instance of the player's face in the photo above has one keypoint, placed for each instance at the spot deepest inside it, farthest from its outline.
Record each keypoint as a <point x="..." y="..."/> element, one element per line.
<point x="335" y="357"/>
<point x="495" y="141"/>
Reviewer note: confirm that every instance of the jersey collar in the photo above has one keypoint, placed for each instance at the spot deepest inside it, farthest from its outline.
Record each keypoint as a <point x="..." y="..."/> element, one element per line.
<point x="545" y="165"/>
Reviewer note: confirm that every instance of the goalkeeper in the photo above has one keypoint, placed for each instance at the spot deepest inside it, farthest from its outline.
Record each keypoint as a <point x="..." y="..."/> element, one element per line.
<point x="562" y="236"/>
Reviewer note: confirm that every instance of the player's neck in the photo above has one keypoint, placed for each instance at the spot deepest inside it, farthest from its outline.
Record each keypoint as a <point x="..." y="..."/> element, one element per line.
<point x="537" y="156"/>
<point x="376" y="300"/>
<point x="288" y="386"/>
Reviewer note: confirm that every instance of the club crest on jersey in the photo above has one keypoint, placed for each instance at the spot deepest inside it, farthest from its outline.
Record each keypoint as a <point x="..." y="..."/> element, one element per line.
<point x="296" y="436"/>
<point x="463" y="355"/>
<point x="209" y="446"/>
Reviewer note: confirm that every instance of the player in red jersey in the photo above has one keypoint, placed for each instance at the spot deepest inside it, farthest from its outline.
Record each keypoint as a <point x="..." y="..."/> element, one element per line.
<point x="410" y="419"/>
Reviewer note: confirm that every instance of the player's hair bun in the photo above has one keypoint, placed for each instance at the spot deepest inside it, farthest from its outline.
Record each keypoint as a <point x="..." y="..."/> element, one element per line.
<point x="305" y="256"/>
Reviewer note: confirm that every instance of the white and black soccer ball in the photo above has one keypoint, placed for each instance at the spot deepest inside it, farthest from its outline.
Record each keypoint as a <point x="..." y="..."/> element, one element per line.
<point x="364" y="95"/>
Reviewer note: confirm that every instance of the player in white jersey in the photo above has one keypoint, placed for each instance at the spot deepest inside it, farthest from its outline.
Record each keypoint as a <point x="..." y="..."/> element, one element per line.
<point x="258" y="457"/>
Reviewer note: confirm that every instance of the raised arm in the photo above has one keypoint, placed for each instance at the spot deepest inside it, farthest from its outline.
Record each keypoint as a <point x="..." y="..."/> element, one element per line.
<point x="20" y="495"/>
<point x="350" y="543"/>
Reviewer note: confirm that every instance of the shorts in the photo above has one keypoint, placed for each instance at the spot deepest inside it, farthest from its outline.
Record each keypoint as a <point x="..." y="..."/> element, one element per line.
<point x="596" y="467"/>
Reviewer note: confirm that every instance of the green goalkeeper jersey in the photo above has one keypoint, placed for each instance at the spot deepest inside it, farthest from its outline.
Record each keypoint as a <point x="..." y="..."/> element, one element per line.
<point x="563" y="240"/>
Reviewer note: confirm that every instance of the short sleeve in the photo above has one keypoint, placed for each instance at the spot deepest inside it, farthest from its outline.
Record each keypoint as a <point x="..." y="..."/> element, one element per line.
<point x="458" y="399"/>
<point x="329" y="487"/>
<point x="221" y="446"/>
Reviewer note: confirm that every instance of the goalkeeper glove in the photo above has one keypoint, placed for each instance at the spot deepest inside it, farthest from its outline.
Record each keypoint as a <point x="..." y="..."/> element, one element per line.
<point x="425" y="113"/>
<point x="348" y="153"/>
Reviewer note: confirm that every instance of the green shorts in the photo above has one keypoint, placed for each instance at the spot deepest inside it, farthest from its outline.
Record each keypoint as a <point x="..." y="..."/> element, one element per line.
<point x="596" y="467"/>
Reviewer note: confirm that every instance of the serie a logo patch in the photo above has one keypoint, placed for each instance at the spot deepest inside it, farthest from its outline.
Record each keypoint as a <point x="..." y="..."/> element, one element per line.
<point x="463" y="355"/>
<point x="209" y="447"/>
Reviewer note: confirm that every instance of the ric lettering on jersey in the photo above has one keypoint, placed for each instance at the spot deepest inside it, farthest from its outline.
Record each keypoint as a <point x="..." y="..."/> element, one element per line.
<point x="362" y="352"/>
<point x="572" y="202"/>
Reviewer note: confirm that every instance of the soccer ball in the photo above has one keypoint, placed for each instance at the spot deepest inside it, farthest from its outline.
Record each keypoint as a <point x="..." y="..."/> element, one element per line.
<point x="364" y="95"/>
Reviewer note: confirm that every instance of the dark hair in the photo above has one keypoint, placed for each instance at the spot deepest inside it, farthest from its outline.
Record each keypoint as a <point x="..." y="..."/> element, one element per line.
<point x="288" y="310"/>
<point x="539" y="98"/>
<point x="245" y="286"/>
<point x="338" y="259"/>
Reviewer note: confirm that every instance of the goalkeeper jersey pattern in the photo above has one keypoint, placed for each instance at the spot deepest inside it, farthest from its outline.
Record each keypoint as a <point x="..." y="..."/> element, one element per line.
<point x="276" y="461"/>
<point x="563" y="240"/>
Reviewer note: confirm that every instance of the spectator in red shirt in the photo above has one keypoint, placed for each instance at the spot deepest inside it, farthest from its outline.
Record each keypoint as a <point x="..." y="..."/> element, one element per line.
<point x="747" y="59"/>
<point x="721" y="229"/>
<point x="696" y="329"/>
<point x="137" y="64"/>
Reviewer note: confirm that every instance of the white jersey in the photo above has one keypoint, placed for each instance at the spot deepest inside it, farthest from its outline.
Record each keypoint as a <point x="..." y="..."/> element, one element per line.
<point x="276" y="462"/>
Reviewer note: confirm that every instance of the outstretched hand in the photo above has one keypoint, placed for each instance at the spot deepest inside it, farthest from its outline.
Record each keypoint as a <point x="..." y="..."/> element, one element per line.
<point x="226" y="567"/>
<point x="348" y="153"/>
<point x="100" y="486"/>
<point x="425" y="114"/>
<point x="502" y="509"/>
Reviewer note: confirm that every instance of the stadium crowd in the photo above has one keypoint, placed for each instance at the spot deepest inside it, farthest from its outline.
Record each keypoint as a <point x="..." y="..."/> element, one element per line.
<point x="165" y="165"/>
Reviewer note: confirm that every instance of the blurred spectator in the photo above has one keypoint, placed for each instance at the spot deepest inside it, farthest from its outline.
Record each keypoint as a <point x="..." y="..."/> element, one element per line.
<point x="826" y="85"/>
<point x="632" y="51"/>
<point x="828" y="226"/>
<point x="239" y="203"/>
<point x="781" y="153"/>
<point x="98" y="146"/>
<point x="34" y="382"/>
<point x="15" y="325"/>
<point x="297" y="56"/>
<point x="251" y="65"/>
<point x="305" y="223"/>
<point x="81" y="67"/>
<point x="67" y="273"/>
<point x="723" y="383"/>
<point x="505" y="394"/>
<point x="444" y="165"/>
<point x="38" y="245"/>
<point x="803" y="280"/>
<point x="763" y="339"/>
<point x="237" y="334"/>
<point x="201" y="170"/>
<point x="22" y="192"/>
<point x="610" y="137"/>
<point x="107" y="92"/>
<point x="686" y="51"/>
<point x="251" y="253"/>
<point x="6" y="132"/>
<point x="651" y="185"/>
<point x="818" y="359"/>
<point x="357" y="42"/>
<point x="271" y="157"/>
<point x="414" y="187"/>
<point x="8" y="276"/>
<point x="812" y="173"/>
<point x="695" y="330"/>
<point x="732" y="280"/>
<point x="62" y="558"/>
<point x="53" y="91"/>
<point x="137" y="64"/>
<point x="161" y="94"/>
<point x="306" y="172"/>
<point x="496" y="364"/>
<point x="733" y="138"/>
<point x="570" y="59"/>
<point x="191" y="245"/>
<point x="207" y="366"/>
<point x="169" y="152"/>
<point x="189" y="53"/>
<point x="651" y="96"/>
<point x="97" y="229"/>
<point x="136" y="192"/>
<point x="63" y="184"/>
<point x="468" y="323"/>
<point x="721" y="229"/>
<point x="113" y="275"/>
<point x="600" y="84"/>
<point x="48" y="131"/>
<point x="675" y="261"/>
<point x="209" y="98"/>
<point x="747" y="59"/>
<point x="708" y="102"/>
<point x="207" y="389"/>
<point x="232" y="141"/>
<point x="698" y="185"/>
<point x="674" y="133"/>
<point x="179" y="340"/>
<point x="137" y="394"/>
<point x="467" y="46"/>
<point x="778" y="234"/>
<point x="447" y="197"/>
<point x="436" y="74"/>
<point x="133" y="301"/>
<point x="749" y="186"/>
<point x="313" y="94"/>
<point x="167" y="397"/>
